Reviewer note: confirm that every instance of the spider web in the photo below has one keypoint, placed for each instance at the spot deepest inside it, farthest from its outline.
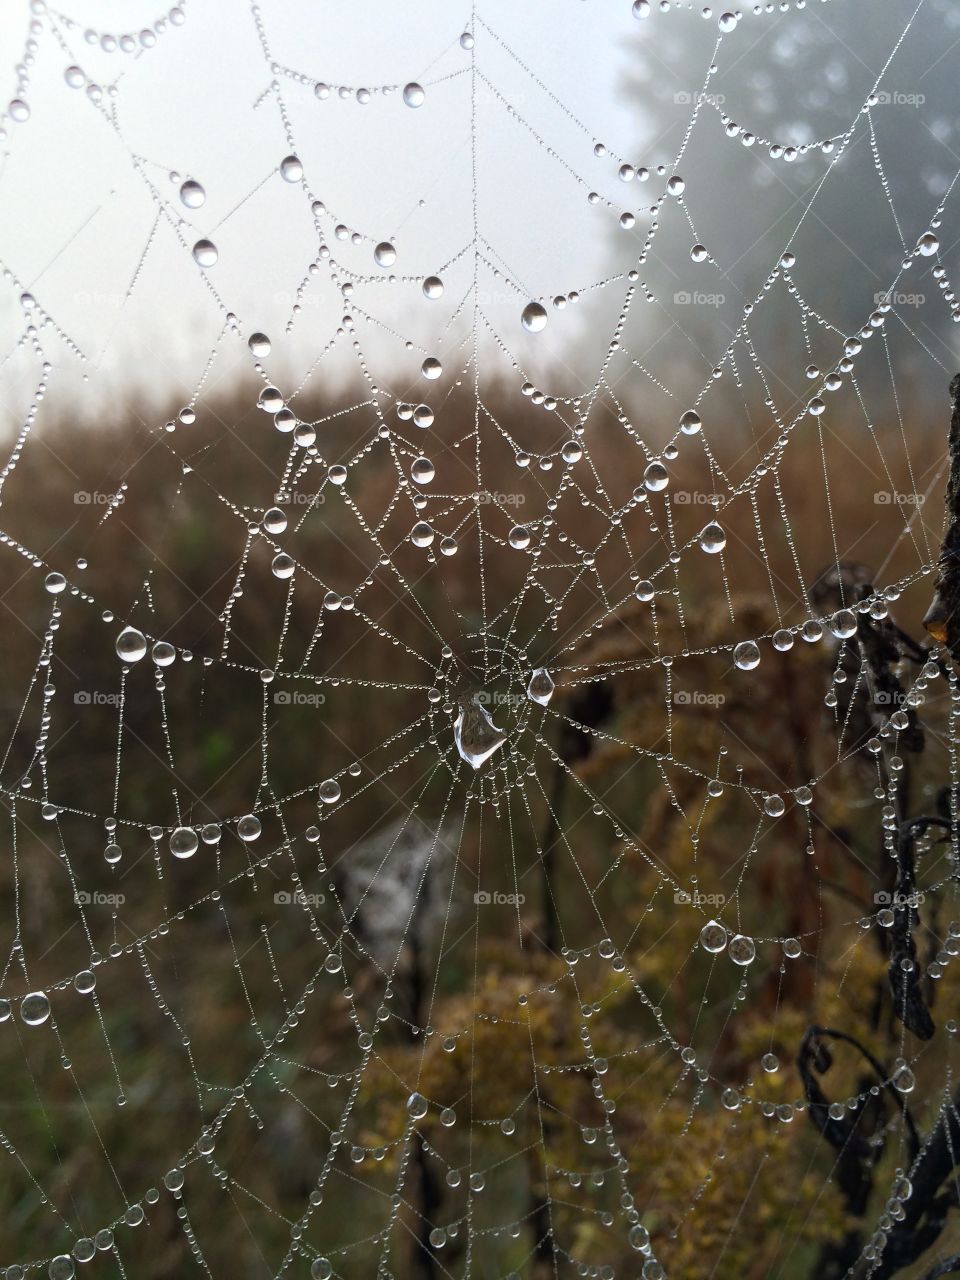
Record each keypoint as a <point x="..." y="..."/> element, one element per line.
<point x="457" y="736"/>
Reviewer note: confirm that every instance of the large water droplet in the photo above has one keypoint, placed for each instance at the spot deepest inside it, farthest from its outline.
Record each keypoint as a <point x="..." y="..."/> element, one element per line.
<point x="192" y="195"/>
<point x="746" y="655"/>
<point x="843" y="624"/>
<point x="385" y="255"/>
<point x="541" y="686"/>
<point x="184" y="842"/>
<point x="475" y="734"/>
<point x="656" y="477"/>
<point x="417" y="1106"/>
<point x="713" y="937"/>
<point x="330" y="791"/>
<point x="291" y="170"/>
<point x="928" y="244"/>
<point x="131" y="645"/>
<point x="422" y="470"/>
<point x="248" y="828"/>
<point x="712" y="538"/>
<point x="34" y="1009"/>
<point x="205" y="253"/>
<point x="741" y="949"/>
<point x="533" y="317"/>
<point x="413" y="94"/>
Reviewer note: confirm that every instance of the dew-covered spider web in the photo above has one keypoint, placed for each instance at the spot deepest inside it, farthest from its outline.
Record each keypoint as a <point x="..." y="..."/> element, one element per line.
<point x="479" y="795"/>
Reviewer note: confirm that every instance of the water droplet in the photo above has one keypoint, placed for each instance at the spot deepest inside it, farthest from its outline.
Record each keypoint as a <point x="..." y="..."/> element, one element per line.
<point x="184" y="842"/>
<point x="85" y="981"/>
<point x="422" y="470"/>
<point x="741" y="949"/>
<point x="54" y="583"/>
<point x="774" y="806"/>
<point x="131" y="645"/>
<point x="639" y="1237"/>
<point x="282" y="566"/>
<point x="417" y="1106"/>
<point x="519" y="537"/>
<point x="475" y="734"/>
<point x="205" y="253"/>
<point x="928" y="244"/>
<point x="676" y="185"/>
<point x="656" y="477"/>
<point x="248" y="828"/>
<point x="413" y="94"/>
<point x="329" y="791"/>
<point x="422" y="534"/>
<point x="259" y="345"/>
<point x="904" y="1080"/>
<point x="541" y="686"/>
<point x="192" y="195"/>
<point x="163" y="653"/>
<point x="34" y="1009"/>
<point x="746" y="655"/>
<point x="431" y="369"/>
<point x="533" y="317"/>
<point x="843" y="624"/>
<point x="713" y="937"/>
<point x="61" y="1268"/>
<point x="712" y="538"/>
<point x="385" y="255"/>
<point x="728" y="21"/>
<point x="291" y="170"/>
<point x="433" y="287"/>
<point x="690" y="423"/>
<point x="320" y="1269"/>
<point x="274" y="520"/>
